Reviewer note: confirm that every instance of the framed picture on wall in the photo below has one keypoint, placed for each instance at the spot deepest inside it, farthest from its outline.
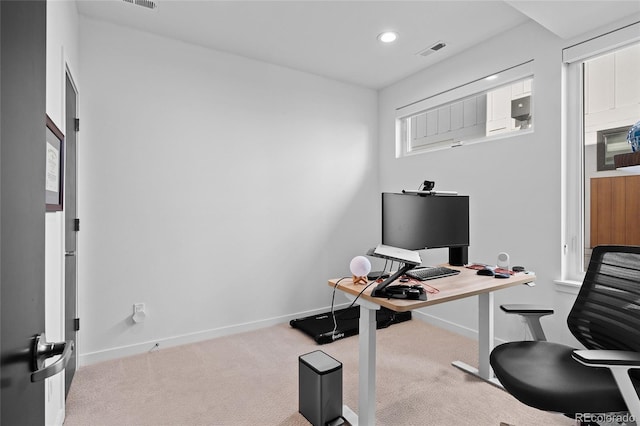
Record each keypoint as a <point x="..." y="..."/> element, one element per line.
<point x="55" y="167"/>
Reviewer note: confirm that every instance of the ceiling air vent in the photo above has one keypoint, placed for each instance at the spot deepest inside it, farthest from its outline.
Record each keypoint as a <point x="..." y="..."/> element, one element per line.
<point x="429" y="50"/>
<point x="149" y="4"/>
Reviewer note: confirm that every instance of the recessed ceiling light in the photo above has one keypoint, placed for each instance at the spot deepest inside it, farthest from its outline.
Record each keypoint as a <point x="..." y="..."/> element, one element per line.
<point x="388" y="36"/>
<point x="491" y="77"/>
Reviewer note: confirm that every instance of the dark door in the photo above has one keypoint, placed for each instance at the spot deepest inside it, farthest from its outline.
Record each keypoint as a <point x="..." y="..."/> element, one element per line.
<point x="71" y="227"/>
<point x="22" y="206"/>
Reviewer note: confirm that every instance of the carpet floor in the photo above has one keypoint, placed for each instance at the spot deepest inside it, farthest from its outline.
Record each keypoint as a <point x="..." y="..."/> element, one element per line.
<point x="252" y="379"/>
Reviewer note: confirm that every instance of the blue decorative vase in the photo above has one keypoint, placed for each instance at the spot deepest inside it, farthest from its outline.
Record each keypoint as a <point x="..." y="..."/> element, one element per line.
<point x="634" y="137"/>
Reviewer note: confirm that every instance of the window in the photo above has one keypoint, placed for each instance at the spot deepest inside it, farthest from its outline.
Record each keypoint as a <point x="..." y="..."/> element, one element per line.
<point x="489" y="107"/>
<point x="602" y="99"/>
<point x="611" y="106"/>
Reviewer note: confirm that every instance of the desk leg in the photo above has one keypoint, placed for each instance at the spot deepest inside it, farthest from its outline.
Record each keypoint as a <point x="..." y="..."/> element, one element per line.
<point x="485" y="341"/>
<point x="485" y="334"/>
<point x="367" y="371"/>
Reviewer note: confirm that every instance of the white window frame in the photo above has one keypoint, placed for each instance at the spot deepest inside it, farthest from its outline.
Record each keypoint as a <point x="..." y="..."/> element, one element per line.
<point x="464" y="91"/>
<point x="573" y="189"/>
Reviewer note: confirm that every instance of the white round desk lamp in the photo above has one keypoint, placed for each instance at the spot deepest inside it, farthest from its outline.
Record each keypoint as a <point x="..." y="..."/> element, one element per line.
<point x="360" y="268"/>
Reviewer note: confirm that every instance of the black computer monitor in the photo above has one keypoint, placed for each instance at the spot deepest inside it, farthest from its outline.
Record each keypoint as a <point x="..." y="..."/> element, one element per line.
<point x="416" y="222"/>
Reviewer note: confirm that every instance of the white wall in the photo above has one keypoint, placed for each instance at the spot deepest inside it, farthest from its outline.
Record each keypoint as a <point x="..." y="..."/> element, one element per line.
<point x="221" y="191"/>
<point x="513" y="183"/>
<point x="191" y="157"/>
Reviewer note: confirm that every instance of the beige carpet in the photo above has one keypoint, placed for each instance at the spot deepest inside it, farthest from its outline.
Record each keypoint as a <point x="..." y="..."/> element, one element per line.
<point x="252" y="379"/>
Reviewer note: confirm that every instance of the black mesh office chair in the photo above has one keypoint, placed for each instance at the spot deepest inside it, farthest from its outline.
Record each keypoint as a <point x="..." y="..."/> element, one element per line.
<point x="605" y="318"/>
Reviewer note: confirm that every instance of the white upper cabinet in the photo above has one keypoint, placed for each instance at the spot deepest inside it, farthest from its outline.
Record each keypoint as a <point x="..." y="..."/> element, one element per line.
<point x="612" y="91"/>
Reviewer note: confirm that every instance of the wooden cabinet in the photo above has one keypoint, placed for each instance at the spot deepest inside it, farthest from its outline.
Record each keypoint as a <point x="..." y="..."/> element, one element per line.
<point x="615" y="210"/>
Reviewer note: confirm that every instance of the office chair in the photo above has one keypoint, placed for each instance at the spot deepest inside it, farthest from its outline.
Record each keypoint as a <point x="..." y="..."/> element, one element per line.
<point x="602" y="380"/>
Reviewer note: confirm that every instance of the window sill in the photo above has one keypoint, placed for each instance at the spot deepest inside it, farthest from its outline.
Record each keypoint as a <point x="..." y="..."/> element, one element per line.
<point x="462" y="143"/>
<point x="568" y="286"/>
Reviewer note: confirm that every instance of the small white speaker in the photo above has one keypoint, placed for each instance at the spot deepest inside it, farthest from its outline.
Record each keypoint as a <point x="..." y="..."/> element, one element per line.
<point x="503" y="260"/>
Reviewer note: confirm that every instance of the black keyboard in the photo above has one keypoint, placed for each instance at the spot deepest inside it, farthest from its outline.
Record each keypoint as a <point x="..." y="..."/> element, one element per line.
<point x="424" y="274"/>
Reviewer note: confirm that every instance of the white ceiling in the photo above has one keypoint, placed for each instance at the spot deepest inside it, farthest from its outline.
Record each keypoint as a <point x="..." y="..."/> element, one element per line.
<point x="337" y="39"/>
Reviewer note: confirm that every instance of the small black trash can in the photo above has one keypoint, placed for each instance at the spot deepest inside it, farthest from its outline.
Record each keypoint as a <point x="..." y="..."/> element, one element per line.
<point x="319" y="388"/>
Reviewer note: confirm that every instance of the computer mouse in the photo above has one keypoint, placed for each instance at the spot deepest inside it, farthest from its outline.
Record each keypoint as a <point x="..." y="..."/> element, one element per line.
<point x="486" y="271"/>
<point x="502" y="275"/>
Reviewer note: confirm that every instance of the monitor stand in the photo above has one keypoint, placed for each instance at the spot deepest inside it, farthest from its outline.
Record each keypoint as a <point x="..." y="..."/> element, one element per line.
<point x="458" y="256"/>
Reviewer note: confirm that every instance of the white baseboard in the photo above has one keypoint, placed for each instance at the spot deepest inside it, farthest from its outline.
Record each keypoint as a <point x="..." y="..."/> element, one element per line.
<point x="85" y="359"/>
<point x="148" y="346"/>
<point x="451" y="326"/>
<point x="447" y="325"/>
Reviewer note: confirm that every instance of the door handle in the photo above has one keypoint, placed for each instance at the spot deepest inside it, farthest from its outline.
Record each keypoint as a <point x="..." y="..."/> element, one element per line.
<point x="69" y="253"/>
<point x="42" y="350"/>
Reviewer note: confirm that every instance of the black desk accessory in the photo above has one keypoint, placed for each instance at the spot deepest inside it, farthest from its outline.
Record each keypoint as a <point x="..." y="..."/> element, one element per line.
<point x="410" y="292"/>
<point x="381" y="289"/>
<point x="410" y="260"/>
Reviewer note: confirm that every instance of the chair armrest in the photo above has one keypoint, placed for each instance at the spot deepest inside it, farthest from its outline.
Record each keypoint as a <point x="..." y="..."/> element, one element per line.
<point x="604" y="358"/>
<point x="526" y="309"/>
<point x="619" y="363"/>
<point x="532" y="314"/>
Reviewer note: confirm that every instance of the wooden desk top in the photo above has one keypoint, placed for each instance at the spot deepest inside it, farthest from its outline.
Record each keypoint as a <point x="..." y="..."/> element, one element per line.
<point x="466" y="283"/>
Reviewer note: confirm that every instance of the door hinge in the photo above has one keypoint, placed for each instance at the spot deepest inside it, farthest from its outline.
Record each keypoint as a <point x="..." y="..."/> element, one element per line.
<point x="76" y="224"/>
<point x="77" y="124"/>
<point x="76" y="324"/>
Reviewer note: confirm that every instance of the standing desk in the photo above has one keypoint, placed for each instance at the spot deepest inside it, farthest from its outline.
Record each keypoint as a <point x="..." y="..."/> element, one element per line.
<point x="466" y="283"/>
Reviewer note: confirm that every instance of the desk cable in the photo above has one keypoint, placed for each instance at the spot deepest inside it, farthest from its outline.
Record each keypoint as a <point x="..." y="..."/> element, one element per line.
<point x="427" y="287"/>
<point x="333" y="315"/>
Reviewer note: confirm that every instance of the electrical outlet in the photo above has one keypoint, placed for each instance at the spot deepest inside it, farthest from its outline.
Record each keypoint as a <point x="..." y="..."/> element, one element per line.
<point x="139" y="312"/>
<point x="138" y="307"/>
